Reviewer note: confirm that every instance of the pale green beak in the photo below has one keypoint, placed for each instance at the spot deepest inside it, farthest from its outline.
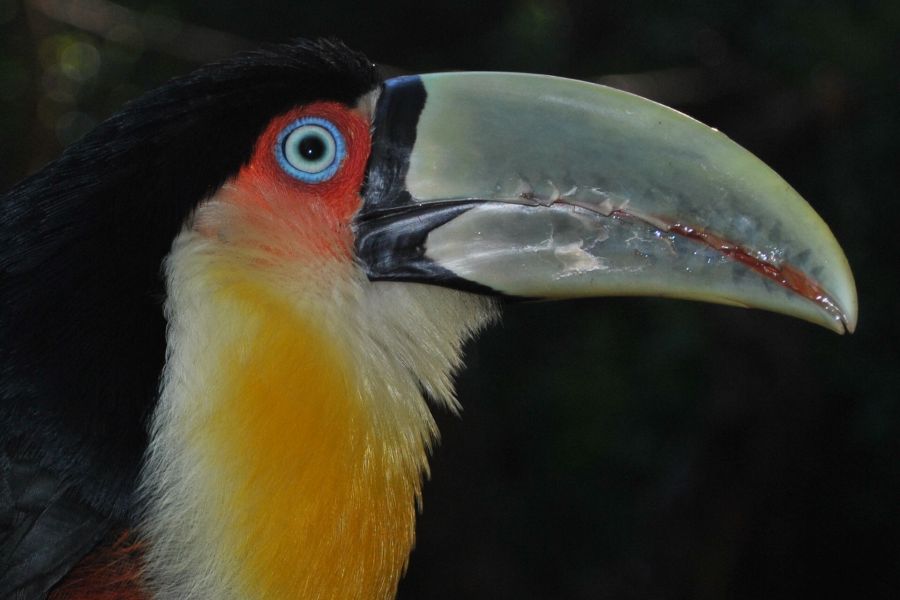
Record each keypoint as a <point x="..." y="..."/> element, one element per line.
<point x="541" y="187"/>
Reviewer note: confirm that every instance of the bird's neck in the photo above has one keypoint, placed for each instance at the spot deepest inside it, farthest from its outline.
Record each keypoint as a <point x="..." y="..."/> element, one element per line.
<point x="288" y="447"/>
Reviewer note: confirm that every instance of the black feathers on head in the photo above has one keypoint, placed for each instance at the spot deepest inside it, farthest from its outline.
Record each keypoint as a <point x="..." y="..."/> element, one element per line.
<point x="82" y="333"/>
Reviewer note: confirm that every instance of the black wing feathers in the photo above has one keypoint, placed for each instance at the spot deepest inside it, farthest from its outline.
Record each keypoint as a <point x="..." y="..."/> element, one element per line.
<point x="45" y="527"/>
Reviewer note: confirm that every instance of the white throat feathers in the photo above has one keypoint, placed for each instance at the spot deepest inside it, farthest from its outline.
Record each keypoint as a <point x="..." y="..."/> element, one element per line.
<point x="292" y="430"/>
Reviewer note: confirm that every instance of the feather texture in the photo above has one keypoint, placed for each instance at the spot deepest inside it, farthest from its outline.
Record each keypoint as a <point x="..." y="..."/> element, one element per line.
<point x="82" y="331"/>
<point x="292" y="432"/>
<point x="114" y="571"/>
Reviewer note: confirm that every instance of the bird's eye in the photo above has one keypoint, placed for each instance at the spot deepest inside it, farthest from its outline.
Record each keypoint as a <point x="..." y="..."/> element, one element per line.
<point x="310" y="149"/>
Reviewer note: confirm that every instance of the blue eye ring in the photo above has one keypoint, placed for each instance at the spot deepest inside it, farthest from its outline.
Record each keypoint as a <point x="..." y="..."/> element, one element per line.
<point x="320" y="131"/>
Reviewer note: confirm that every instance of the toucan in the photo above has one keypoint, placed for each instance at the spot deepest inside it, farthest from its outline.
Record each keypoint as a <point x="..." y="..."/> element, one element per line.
<point x="227" y="310"/>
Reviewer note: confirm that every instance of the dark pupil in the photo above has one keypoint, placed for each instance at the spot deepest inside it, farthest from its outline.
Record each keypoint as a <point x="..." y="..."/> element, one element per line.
<point x="312" y="147"/>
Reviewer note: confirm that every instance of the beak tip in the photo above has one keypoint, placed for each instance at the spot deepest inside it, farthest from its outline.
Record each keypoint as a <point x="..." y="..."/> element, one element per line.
<point x="847" y="300"/>
<point x="849" y="317"/>
<point x="843" y="312"/>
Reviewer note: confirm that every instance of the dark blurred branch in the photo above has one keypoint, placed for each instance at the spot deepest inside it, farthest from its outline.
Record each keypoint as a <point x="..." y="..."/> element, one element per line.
<point x="122" y="25"/>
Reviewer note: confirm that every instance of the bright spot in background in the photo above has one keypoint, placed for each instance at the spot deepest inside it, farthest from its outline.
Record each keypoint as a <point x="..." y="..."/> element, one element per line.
<point x="79" y="61"/>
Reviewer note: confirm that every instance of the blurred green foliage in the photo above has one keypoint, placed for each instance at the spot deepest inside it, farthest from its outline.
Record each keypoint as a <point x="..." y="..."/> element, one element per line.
<point x="620" y="448"/>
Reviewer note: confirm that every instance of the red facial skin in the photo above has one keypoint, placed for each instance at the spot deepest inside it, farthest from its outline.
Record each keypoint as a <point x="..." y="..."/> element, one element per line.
<point x="316" y="213"/>
<point x="341" y="192"/>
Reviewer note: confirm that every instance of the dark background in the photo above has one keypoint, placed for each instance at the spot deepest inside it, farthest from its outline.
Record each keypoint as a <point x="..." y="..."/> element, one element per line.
<point x="616" y="448"/>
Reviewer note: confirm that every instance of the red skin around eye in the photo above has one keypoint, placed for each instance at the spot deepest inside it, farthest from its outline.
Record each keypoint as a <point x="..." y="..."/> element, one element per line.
<point x="328" y="205"/>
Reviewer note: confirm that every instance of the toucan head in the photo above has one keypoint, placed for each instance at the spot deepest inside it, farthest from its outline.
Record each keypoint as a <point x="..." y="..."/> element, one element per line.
<point x="533" y="187"/>
<point x="328" y="241"/>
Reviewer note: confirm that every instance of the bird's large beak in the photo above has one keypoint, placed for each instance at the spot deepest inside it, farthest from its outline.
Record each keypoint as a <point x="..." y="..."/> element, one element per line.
<point x="540" y="187"/>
